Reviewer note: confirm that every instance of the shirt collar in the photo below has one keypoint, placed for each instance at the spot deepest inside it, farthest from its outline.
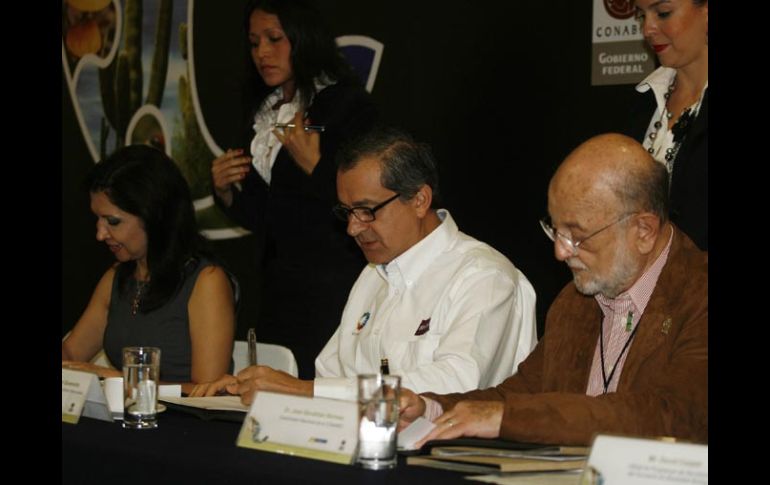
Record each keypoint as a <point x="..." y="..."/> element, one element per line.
<point x="659" y="80"/>
<point x="641" y="291"/>
<point x="408" y="266"/>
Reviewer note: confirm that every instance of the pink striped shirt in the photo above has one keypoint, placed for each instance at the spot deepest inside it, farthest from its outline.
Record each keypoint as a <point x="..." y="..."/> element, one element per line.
<point x="629" y="305"/>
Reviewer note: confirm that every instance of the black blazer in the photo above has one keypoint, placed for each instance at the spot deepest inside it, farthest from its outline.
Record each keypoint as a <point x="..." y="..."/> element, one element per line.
<point x="307" y="261"/>
<point x="689" y="180"/>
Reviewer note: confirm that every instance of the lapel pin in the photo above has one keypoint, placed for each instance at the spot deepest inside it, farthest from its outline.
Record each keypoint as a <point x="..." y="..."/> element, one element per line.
<point x="666" y="326"/>
<point x="362" y="321"/>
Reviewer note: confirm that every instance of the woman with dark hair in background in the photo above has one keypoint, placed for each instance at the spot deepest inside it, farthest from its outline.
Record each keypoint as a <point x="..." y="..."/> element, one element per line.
<point x="165" y="291"/>
<point x="280" y="183"/>
<point x="671" y="119"/>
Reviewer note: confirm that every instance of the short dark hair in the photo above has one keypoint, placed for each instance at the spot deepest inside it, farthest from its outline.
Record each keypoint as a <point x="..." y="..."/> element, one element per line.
<point x="644" y="189"/>
<point x="314" y="50"/>
<point x="406" y="164"/>
<point x="144" y="182"/>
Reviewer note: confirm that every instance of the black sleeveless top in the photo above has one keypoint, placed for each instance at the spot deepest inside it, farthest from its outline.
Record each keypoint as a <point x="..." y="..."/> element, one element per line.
<point x="166" y="327"/>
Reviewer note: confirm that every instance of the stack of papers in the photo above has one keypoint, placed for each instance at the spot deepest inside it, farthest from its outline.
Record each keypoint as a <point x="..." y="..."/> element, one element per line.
<point x="485" y="460"/>
<point x="214" y="403"/>
<point x="224" y="408"/>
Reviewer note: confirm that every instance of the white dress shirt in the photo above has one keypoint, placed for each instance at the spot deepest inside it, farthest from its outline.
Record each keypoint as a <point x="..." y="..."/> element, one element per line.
<point x="450" y="314"/>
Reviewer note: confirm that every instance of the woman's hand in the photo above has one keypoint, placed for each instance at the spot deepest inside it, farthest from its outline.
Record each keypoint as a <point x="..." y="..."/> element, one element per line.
<point x="262" y="378"/>
<point x="304" y="146"/>
<point x="219" y="386"/>
<point x="92" y="368"/>
<point x="228" y="168"/>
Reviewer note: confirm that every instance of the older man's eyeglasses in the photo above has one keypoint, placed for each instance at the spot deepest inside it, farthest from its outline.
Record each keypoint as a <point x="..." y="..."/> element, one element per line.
<point x="363" y="214"/>
<point x="567" y="241"/>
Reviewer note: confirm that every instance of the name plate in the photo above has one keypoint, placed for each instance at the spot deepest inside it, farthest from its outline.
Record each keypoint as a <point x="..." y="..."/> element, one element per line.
<point x="617" y="460"/>
<point x="317" y="428"/>
<point x="81" y="394"/>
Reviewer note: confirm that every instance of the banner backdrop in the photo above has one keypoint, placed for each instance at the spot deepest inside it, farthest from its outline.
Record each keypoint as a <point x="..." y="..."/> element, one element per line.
<point x="500" y="99"/>
<point x="132" y="81"/>
<point x="619" y="54"/>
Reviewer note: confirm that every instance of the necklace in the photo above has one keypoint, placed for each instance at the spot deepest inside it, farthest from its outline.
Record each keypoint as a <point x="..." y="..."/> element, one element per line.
<point x="679" y="129"/>
<point x="140" y="285"/>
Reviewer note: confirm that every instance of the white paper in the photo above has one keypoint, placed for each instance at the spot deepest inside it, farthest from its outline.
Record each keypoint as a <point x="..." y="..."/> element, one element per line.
<point x="82" y="395"/>
<point x="319" y="428"/>
<point x="637" y="461"/>
<point x="170" y="390"/>
<point x="413" y="433"/>
<point x="113" y="391"/>
<point x="96" y="403"/>
<point x="74" y="387"/>
<point x="545" y="478"/>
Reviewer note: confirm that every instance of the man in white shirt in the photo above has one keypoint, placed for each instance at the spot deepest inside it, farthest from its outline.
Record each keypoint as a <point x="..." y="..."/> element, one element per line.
<point x="448" y="312"/>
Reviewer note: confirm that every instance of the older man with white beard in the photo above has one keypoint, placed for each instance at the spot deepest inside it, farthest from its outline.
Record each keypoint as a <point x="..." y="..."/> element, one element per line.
<point x="625" y="349"/>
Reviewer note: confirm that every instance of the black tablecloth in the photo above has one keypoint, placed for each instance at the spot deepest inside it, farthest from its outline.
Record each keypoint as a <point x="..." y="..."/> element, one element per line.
<point x="186" y="449"/>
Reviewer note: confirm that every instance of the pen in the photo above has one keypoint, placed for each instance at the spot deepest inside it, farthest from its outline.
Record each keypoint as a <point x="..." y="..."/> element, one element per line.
<point x="251" y="336"/>
<point x="307" y="127"/>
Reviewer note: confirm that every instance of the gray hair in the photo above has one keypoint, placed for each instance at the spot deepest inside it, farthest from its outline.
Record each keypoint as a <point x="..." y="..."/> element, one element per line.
<point x="406" y="164"/>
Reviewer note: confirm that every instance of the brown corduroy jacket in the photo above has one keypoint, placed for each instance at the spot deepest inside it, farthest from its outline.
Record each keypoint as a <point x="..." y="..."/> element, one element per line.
<point x="663" y="388"/>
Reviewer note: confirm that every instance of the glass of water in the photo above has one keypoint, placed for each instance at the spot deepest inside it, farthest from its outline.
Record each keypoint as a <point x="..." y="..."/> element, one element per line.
<point x="141" y="372"/>
<point x="378" y="412"/>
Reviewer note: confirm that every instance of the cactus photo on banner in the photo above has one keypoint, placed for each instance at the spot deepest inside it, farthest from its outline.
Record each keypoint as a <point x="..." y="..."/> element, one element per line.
<point x="130" y="70"/>
<point x="129" y="67"/>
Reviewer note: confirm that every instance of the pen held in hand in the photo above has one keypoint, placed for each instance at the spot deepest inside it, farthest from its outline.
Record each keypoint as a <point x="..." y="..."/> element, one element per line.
<point x="251" y="338"/>
<point x="319" y="128"/>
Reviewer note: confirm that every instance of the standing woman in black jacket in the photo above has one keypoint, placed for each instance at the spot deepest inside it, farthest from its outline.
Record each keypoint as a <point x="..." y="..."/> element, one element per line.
<point x="671" y="118"/>
<point x="280" y="183"/>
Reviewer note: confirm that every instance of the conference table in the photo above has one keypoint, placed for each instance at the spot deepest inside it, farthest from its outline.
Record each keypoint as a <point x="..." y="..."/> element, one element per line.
<point x="187" y="449"/>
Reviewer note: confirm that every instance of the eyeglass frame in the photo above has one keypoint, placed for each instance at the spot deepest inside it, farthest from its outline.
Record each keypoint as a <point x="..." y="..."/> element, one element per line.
<point x="553" y="234"/>
<point x="336" y="210"/>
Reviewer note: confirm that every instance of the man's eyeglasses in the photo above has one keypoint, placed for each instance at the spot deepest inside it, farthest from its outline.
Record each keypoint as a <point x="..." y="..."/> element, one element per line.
<point x="568" y="242"/>
<point x="363" y="214"/>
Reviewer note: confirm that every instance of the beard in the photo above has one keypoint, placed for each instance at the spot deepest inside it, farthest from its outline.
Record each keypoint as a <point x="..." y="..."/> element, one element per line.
<point x="623" y="268"/>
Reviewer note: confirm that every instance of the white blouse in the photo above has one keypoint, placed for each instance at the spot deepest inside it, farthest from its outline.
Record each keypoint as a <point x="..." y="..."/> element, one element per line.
<point x="265" y="146"/>
<point x="659" y="81"/>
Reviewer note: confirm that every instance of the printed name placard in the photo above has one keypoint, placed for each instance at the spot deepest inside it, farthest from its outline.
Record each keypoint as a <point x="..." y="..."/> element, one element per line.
<point x="617" y="460"/>
<point x="81" y="394"/>
<point x="317" y="428"/>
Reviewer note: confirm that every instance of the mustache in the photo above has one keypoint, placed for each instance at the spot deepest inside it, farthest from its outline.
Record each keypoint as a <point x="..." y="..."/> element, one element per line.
<point x="575" y="263"/>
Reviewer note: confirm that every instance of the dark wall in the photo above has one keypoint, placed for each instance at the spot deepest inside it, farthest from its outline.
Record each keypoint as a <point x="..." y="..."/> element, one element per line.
<point x="501" y="90"/>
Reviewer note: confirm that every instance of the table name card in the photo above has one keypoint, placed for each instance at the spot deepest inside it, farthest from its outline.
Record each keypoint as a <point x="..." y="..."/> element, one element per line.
<point x="81" y="394"/>
<point x="317" y="428"/>
<point x="635" y="461"/>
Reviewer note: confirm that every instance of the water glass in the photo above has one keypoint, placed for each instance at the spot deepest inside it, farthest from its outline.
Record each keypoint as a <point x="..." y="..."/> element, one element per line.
<point x="378" y="412"/>
<point x="141" y="373"/>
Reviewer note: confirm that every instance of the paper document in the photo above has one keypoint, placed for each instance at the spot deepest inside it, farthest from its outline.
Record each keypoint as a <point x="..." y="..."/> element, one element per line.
<point x="414" y="433"/>
<point x="571" y="477"/>
<point x="213" y="403"/>
<point x="547" y="454"/>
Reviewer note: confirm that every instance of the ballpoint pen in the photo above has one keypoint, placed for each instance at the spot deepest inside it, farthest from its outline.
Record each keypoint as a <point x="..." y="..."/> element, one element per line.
<point x="251" y="337"/>
<point x="307" y="127"/>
